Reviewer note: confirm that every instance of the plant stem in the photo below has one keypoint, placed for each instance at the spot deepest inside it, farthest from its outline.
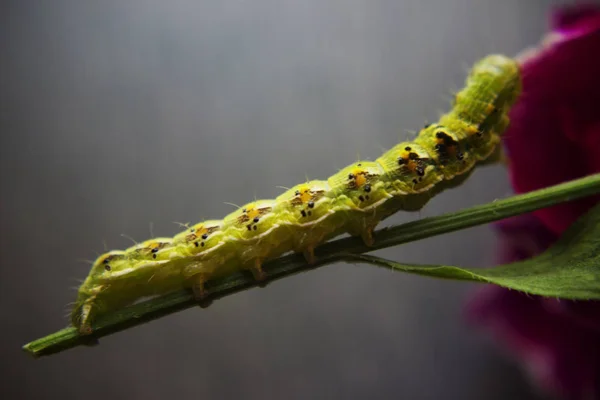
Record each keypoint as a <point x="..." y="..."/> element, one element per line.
<point x="326" y="254"/>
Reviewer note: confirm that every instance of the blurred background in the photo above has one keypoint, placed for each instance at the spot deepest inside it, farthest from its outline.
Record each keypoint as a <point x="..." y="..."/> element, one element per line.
<point x="116" y="116"/>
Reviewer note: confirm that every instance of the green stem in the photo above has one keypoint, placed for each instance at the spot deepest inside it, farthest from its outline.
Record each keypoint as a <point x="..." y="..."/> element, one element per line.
<point x="328" y="253"/>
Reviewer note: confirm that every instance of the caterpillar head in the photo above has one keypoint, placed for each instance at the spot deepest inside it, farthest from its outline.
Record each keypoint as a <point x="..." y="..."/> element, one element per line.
<point x="108" y="264"/>
<point x="98" y="280"/>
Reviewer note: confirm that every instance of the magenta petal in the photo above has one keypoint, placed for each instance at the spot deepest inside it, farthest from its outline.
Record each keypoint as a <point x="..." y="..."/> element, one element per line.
<point x="561" y="356"/>
<point x="557" y="341"/>
<point x="555" y="127"/>
<point x="522" y="237"/>
<point x="585" y="314"/>
<point x="578" y="19"/>
<point x="554" y="136"/>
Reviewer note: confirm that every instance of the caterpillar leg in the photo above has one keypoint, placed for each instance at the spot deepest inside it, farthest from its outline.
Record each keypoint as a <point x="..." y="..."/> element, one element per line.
<point x="308" y="250"/>
<point x="309" y="254"/>
<point x="367" y="236"/>
<point x="365" y="230"/>
<point x="363" y="226"/>
<point x="198" y="289"/>
<point x="257" y="270"/>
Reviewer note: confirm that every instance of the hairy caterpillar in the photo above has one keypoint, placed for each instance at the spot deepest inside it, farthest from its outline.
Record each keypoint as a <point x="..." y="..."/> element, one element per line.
<point x="354" y="201"/>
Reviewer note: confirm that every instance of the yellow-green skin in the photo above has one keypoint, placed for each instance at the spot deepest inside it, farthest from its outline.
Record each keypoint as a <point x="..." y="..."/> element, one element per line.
<point x="353" y="201"/>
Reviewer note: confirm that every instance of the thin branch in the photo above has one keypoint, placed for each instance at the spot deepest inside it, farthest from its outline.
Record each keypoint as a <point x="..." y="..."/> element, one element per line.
<point x="328" y="253"/>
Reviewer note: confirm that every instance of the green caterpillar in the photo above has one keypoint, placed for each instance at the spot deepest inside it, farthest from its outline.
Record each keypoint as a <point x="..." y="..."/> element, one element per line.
<point x="353" y="201"/>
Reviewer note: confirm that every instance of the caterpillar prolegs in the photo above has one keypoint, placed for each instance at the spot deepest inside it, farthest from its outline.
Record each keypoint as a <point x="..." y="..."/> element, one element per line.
<point x="353" y="201"/>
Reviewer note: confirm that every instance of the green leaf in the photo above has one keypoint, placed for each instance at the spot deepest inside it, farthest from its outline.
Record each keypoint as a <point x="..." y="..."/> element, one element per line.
<point x="570" y="269"/>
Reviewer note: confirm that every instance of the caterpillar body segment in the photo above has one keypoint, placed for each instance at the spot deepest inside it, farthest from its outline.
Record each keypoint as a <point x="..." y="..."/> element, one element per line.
<point x="253" y="228"/>
<point x="148" y="250"/>
<point x="196" y="240"/>
<point x="354" y="200"/>
<point x="198" y="253"/>
<point x="492" y="84"/>
<point x="358" y="190"/>
<point x="307" y="212"/>
<point x="450" y="155"/>
<point x="409" y="169"/>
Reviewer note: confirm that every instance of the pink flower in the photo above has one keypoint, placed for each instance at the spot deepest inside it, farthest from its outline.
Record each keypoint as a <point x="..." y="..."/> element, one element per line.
<point x="555" y="128"/>
<point x="554" y="137"/>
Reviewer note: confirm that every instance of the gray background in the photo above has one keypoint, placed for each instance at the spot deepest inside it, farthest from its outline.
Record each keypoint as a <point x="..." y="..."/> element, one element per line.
<point x="115" y="114"/>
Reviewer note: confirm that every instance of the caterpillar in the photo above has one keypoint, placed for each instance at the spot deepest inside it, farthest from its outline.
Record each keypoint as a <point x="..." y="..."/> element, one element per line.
<point x="354" y="201"/>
